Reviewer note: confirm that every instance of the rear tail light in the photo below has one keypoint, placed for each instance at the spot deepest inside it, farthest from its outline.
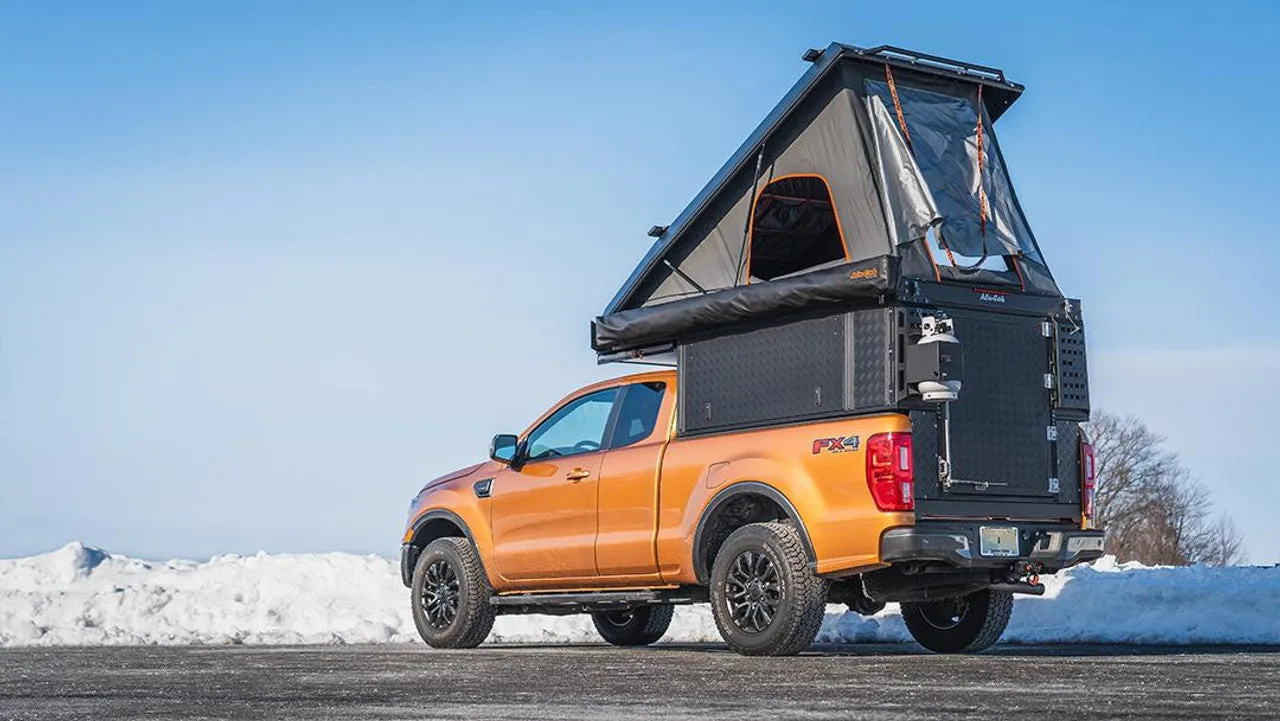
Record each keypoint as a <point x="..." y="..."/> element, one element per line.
<point x="889" y="471"/>
<point x="1088" y="480"/>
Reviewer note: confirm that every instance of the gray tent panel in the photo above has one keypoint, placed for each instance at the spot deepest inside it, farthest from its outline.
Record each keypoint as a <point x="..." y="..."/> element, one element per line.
<point x="831" y="147"/>
<point x="906" y="192"/>
<point x="935" y="118"/>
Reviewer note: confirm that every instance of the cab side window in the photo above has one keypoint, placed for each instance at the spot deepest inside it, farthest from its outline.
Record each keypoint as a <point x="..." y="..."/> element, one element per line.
<point x="638" y="414"/>
<point x="578" y="427"/>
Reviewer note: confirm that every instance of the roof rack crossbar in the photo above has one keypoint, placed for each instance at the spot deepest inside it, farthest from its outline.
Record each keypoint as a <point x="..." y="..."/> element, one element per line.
<point x="937" y="61"/>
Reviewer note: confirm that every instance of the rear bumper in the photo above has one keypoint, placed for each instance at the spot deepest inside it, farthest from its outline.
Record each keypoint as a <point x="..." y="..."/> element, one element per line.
<point x="957" y="544"/>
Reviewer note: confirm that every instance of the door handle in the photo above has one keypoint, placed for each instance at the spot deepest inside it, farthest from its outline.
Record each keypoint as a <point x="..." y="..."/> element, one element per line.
<point x="577" y="474"/>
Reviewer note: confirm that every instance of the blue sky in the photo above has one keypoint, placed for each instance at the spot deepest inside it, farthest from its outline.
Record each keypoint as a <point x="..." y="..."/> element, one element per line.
<point x="267" y="267"/>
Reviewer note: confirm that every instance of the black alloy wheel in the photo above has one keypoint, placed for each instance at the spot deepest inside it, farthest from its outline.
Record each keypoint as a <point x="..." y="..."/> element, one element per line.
<point x="440" y="594"/>
<point x="617" y="619"/>
<point x="450" y="595"/>
<point x="753" y="591"/>
<point x="765" y="598"/>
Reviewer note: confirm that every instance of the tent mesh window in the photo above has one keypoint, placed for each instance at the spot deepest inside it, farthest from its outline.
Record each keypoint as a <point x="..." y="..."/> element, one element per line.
<point x="793" y="228"/>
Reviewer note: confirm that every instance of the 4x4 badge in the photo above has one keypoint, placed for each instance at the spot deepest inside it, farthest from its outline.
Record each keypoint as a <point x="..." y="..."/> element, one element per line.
<point x="839" y="444"/>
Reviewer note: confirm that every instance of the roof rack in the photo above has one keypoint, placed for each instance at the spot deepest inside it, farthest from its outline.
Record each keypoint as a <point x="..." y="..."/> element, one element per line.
<point x="937" y="62"/>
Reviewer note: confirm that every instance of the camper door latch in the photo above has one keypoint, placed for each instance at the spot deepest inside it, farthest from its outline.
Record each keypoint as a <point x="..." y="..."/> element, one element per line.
<point x="948" y="482"/>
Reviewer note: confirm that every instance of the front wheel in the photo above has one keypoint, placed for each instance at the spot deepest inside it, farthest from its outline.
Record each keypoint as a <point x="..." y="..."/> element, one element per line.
<point x="639" y="626"/>
<point x="965" y="624"/>
<point x="451" y="594"/>
<point x="765" y="599"/>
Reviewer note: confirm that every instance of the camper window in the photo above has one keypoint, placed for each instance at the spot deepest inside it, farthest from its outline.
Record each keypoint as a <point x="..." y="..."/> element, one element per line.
<point x="793" y="228"/>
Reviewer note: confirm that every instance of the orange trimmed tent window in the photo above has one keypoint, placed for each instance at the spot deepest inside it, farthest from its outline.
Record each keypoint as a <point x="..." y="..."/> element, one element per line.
<point x="793" y="227"/>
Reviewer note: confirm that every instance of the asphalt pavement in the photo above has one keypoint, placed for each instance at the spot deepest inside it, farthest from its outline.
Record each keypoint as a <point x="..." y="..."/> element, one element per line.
<point x="666" y="683"/>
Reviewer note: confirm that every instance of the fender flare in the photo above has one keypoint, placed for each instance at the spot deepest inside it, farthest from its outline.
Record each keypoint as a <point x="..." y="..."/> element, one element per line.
<point x="410" y="549"/>
<point x="700" y="570"/>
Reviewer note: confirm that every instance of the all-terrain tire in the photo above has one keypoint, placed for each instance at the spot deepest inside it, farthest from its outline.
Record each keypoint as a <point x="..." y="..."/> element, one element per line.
<point x="451" y="571"/>
<point x="964" y="625"/>
<point x="798" y="596"/>
<point x="638" y="626"/>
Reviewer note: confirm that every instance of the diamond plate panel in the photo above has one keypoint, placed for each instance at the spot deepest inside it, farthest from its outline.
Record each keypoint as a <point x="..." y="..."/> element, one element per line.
<point x="998" y="424"/>
<point x="763" y="376"/>
<point x="872" y="369"/>
<point x="1069" y="461"/>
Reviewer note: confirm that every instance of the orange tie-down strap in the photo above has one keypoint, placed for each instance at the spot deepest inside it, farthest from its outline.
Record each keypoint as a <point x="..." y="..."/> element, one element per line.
<point x="897" y="105"/>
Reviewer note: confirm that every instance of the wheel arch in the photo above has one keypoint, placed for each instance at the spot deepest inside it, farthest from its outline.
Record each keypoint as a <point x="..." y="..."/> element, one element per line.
<point x="724" y="511"/>
<point x="435" y="523"/>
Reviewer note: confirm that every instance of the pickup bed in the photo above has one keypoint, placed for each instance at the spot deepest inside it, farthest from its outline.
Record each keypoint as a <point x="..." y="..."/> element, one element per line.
<point x="601" y="507"/>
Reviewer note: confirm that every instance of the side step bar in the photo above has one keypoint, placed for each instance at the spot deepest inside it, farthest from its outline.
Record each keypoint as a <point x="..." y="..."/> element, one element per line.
<point x="569" y="603"/>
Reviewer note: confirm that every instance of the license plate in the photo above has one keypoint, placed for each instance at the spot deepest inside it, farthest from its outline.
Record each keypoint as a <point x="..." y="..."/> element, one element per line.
<point x="998" y="541"/>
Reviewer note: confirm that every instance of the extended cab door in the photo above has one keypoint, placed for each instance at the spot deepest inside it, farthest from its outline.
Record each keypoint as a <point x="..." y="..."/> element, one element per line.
<point x="625" y="542"/>
<point x="544" y="512"/>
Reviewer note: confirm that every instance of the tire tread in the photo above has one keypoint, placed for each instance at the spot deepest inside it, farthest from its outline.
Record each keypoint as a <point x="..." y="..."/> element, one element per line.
<point x="474" y="611"/>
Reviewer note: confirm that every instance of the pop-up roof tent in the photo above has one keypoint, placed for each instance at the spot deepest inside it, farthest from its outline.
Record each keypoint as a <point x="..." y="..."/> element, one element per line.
<point x="879" y="166"/>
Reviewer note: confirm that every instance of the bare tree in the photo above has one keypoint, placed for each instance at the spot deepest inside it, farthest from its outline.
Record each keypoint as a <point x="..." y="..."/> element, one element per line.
<point x="1153" y="510"/>
<point x="1219" y="545"/>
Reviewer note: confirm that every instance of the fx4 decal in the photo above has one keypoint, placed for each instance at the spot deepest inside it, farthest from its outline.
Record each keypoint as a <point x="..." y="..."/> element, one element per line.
<point x="839" y="444"/>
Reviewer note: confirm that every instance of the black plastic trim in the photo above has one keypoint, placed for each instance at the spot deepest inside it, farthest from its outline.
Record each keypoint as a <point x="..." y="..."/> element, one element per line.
<point x="700" y="570"/>
<point x="409" y="551"/>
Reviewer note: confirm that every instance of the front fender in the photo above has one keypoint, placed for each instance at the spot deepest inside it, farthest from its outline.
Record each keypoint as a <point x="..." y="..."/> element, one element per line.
<point x="457" y="503"/>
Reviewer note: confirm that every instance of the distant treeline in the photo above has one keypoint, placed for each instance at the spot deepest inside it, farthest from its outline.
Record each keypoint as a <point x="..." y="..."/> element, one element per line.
<point x="1153" y="510"/>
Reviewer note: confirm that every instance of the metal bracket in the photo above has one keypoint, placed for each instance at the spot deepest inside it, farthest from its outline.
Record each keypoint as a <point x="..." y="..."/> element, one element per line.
<point x="948" y="482"/>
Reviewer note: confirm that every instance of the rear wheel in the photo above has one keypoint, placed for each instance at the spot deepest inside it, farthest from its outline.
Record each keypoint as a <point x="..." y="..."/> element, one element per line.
<point x="451" y="594"/>
<point x="638" y="626"/>
<point x="765" y="600"/>
<point x="965" y="624"/>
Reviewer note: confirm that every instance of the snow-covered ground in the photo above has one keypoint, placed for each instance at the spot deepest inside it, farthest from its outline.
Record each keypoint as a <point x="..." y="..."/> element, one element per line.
<point x="82" y="595"/>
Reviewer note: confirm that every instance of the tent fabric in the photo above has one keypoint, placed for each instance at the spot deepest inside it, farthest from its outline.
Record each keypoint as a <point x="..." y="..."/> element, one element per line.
<point x="889" y="190"/>
<point x="860" y="280"/>
<point x="912" y="211"/>
<point x="832" y="146"/>
<point x="935" y="121"/>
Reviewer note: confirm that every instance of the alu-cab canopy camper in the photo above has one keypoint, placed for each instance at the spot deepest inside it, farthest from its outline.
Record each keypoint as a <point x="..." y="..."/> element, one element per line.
<point x="864" y="251"/>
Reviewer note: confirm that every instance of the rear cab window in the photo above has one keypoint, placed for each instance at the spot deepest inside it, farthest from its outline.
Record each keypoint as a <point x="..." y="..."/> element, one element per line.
<point x="638" y="413"/>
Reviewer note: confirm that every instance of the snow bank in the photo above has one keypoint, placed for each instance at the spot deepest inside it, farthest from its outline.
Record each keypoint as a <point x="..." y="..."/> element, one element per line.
<point x="83" y="595"/>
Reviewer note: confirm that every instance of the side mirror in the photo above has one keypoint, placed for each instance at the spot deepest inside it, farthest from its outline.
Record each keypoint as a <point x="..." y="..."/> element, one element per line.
<point x="503" y="448"/>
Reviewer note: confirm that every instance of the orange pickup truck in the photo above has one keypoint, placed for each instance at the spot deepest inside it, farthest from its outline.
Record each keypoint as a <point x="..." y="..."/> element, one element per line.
<point x="599" y="507"/>
<point x="876" y="395"/>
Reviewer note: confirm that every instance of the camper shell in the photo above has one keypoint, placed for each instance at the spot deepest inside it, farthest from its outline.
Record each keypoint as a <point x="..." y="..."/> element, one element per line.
<point x="864" y="252"/>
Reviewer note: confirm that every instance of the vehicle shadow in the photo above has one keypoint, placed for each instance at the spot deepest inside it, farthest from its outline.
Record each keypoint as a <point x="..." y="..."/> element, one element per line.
<point x="909" y="649"/>
<point x="1044" y="650"/>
